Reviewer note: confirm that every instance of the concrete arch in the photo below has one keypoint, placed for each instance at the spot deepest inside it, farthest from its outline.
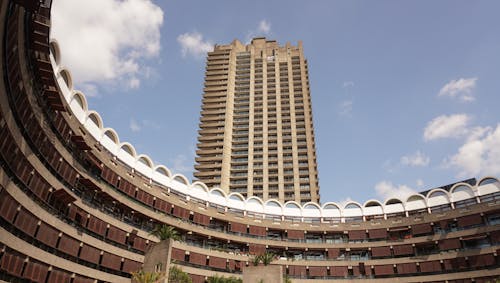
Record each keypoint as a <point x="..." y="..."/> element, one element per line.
<point x="292" y="208"/>
<point x="79" y="98"/>
<point x="311" y="209"/>
<point x="56" y="51"/>
<point x="437" y="197"/>
<point x="415" y="202"/>
<point x="488" y="180"/>
<point x="461" y="191"/>
<point x="331" y="209"/>
<point x="254" y="204"/>
<point x="163" y="170"/>
<point x="68" y="79"/>
<point x="95" y="118"/>
<point x="128" y="148"/>
<point x="181" y="179"/>
<point x="144" y="159"/>
<point x="394" y="205"/>
<point x="373" y="207"/>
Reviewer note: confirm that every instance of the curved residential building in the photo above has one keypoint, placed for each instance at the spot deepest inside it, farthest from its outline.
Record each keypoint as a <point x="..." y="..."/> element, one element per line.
<point x="77" y="204"/>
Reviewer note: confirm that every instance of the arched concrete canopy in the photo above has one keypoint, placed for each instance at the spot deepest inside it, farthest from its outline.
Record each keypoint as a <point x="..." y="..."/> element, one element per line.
<point x="415" y="202"/>
<point x="437" y="197"/>
<point x="373" y="207"/>
<point x="181" y="179"/>
<point x="56" y="51"/>
<point x="273" y="206"/>
<point x="461" y="192"/>
<point x="331" y="209"/>
<point x="352" y="209"/>
<point x="254" y="204"/>
<point x="311" y="209"/>
<point x="236" y="200"/>
<point x="66" y="75"/>
<point x="292" y="208"/>
<point x="394" y="205"/>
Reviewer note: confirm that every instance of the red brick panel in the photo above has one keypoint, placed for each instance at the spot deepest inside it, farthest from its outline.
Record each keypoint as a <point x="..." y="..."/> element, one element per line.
<point x="145" y="198"/>
<point x="196" y="258"/>
<point x="39" y="186"/>
<point x="357" y="234"/>
<point x="35" y="272"/>
<point x="177" y="254"/>
<point x="297" y="270"/>
<point x="407" y="268"/>
<point x="381" y="251"/>
<point x="377" y="233"/>
<point x="257" y="230"/>
<point x="455" y="263"/>
<point x="338" y="271"/>
<point x="111" y="261"/>
<point x="8" y="207"/>
<point x="47" y="235"/>
<point x="482" y="260"/>
<point x="420" y="229"/>
<point x="181" y="212"/>
<point x="402" y="250"/>
<point x="256" y="249"/>
<point x="317" y="271"/>
<point x="81" y="279"/>
<point x="238" y="227"/>
<point x="97" y="225"/>
<point x="57" y="276"/>
<point x="201" y="219"/>
<point x="131" y="266"/>
<point x="430" y="266"/>
<point x="90" y="254"/>
<point x="449" y="244"/>
<point x="26" y="222"/>
<point x="295" y="234"/>
<point x="163" y="205"/>
<point x="126" y="187"/>
<point x="69" y="245"/>
<point x="333" y="253"/>
<point x="469" y="220"/>
<point x="116" y="235"/>
<point x="109" y="176"/>
<point x="12" y="264"/>
<point x="139" y="243"/>
<point x="217" y="262"/>
<point x="386" y="269"/>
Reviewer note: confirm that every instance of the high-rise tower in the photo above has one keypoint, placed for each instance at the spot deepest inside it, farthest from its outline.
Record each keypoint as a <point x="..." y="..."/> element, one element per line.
<point x="256" y="132"/>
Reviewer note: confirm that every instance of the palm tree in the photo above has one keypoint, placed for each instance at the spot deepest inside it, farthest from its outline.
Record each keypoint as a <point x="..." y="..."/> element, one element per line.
<point x="176" y="275"/>
<point x="267" y="258"/>
<point x="222" y="279"/>
<point x="146" y="277"/>
<point x="165" y="232"/>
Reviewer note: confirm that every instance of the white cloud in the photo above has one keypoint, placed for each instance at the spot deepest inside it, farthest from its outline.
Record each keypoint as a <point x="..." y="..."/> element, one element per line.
<point x="420" y="183"/>
<point x="108" y="44"/>
<point x="345" y="107"/>
<point x="134" y="83"/>
<point x="386" y="190"/>
<point x="134" y="126"/>
<point x="416" y="159"/>
<point x="446" y="127"/>
<point x="348" y="84"/>
<point x="479" y="155"/>
<point x="461" y="88"/>
<point x="264" y="27"/>
<point x="194" y="45"/>
<point x="180" y="164"/>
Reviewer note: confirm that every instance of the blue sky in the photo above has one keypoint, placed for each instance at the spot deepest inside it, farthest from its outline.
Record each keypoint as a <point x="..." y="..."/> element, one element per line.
<point x="405" y="94"/>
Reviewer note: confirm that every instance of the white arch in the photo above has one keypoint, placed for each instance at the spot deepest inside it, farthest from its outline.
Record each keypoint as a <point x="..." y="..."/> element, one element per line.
<point x="352" y="209"/>
<point x="292" y="208"/>
<point x="56" y="51"/>
<point x="93" y="123"/>
<point x="415" y="202"/>
<point x="217" y="196"/>
<point x="311" y="209"/>
<point x="236" y="200"/>
<point x="373" y="207"/>
<point x="437" y="197"/>
<point x="163" y="170"/>
<point x="66" y="76"/>
<point x="331" y="209"/>
<point x="254" y="204"/>
<point x="273" y="206"/>
<point x="78" y="105"/>
<point x="144" y="165"/>
<point x="180" y="178"/>
<point x="461" y="191"/>
<point x="394" y="205"/>
<point x="488" y="185"/>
